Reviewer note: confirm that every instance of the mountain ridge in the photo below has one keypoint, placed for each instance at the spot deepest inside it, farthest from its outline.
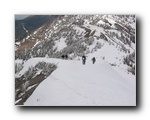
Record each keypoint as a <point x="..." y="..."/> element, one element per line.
<point x="108" y="38"/>
<point x="81" y="34"/>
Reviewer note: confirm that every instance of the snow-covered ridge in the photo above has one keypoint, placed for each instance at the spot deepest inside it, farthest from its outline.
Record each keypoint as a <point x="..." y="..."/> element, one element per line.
<point x="74" y="84"/>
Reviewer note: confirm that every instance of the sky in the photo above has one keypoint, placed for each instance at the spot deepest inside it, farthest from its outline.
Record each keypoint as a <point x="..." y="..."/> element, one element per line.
<point x="20" y="17"/>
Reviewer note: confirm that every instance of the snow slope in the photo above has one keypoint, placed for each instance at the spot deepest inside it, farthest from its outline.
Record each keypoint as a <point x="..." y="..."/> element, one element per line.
<point x="74" y="84"/>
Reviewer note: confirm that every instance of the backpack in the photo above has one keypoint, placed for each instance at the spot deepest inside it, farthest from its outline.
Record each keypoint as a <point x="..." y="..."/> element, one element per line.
<point x="84" y="58"/>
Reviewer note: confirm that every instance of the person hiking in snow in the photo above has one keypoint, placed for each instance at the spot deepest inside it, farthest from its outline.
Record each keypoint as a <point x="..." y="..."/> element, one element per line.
<point x="62" y="56"/>
<point x="66" y="56"/>
<point x="83" y="59"/>
<point x="93" y="60"/>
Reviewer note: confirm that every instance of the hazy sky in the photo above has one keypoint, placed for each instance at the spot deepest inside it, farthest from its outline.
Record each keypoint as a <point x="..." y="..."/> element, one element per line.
<point x="19" y="17"/>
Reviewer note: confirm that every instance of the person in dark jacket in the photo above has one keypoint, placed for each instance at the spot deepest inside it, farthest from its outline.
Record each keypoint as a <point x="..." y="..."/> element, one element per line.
<point x="66" y="57"/>
<point x="93" y="60"/>
<point x="83" y="59"/>
<point x="62" y="56"/>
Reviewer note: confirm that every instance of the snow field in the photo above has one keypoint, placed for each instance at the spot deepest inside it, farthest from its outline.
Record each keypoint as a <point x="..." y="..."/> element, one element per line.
<point x="74" y="84"/>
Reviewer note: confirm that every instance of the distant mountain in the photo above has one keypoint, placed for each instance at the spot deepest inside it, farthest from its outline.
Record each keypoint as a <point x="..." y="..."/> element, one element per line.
<point x="29" y="24"/>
